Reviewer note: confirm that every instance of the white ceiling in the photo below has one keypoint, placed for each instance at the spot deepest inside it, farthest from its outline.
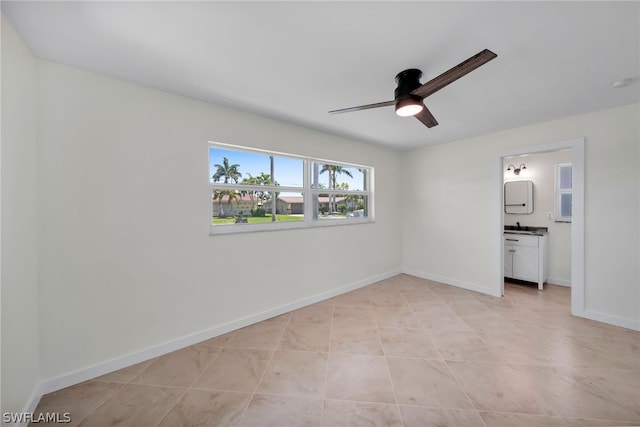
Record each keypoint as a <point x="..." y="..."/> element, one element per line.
<point x="295" y="61"/>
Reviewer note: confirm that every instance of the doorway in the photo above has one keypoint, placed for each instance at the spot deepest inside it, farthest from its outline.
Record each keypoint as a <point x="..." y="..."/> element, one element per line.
<point x="577" y="222"/>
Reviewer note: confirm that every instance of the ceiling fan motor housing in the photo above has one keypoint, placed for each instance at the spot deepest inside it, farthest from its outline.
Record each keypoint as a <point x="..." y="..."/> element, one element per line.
<point x="407" y="81"/>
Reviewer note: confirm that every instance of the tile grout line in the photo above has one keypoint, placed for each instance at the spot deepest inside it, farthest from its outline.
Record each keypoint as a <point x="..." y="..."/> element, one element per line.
<point x="386" y="362"/>
<point x="443" y="359"/>
<point x="273" y="352"/>
<point x="326" y="368"/>
<point x="178" y="400"/>
<point x="189" y="387"/>
<point x="99" y="405"/>
<point x="526" y="414"/>
<point x="206" y="367"/>
<point x="446" y="362"/>
<point x="463" y="388"/>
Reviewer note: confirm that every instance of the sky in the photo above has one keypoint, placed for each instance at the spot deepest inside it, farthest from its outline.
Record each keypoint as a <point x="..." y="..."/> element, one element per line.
<point x="287" y="171"/>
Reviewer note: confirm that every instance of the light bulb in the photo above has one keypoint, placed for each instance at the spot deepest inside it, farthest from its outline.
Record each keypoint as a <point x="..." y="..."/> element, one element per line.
<point x="409" y="110"/>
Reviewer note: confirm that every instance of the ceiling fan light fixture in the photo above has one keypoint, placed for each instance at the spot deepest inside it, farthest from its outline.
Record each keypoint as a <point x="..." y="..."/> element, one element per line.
<point x="410" y="93"/>
<point x="409" y="106"/>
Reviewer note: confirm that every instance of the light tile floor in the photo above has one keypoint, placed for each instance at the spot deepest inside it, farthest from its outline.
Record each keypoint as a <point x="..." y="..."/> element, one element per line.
<point x="401" y="352"/>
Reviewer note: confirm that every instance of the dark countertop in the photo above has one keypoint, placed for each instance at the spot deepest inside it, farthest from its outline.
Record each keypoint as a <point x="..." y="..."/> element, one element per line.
<point x="525" y="229"/>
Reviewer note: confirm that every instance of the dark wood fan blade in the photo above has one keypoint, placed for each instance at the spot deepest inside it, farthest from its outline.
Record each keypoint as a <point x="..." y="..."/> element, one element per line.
<point x="363" y="107"/>
<point x="455" y="73"/>
<point x="427" y="118"/>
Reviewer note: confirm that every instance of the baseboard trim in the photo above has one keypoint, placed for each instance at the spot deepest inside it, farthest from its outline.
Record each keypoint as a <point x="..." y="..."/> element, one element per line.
<point x="559" y="282"/>
<point x="610" y="319"/>
<point x="452" y="282"/>
<point x="100" y="369"/>
<point x="32" y="403"/>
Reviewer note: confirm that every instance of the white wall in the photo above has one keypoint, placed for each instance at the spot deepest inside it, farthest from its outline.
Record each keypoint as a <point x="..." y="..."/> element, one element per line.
<point x="19" y="278"/>
<point x="126" y="259"/>
<point x="541" y="171"/>
<point x="447" y="232"/>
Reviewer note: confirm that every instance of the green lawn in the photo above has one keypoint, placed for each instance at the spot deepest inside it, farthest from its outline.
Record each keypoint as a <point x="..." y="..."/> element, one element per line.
<point x="255" y="220"/>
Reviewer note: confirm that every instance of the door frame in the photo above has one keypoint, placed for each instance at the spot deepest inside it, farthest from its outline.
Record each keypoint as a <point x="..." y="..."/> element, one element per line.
<point x="577" y="221"/>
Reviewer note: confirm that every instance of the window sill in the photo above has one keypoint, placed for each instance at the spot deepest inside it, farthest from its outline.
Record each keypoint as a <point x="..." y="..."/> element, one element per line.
<point x="255" y="228"/>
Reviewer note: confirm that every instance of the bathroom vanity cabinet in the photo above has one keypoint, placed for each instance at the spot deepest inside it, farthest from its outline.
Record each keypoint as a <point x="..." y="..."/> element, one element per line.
<point x="525" y="257"/>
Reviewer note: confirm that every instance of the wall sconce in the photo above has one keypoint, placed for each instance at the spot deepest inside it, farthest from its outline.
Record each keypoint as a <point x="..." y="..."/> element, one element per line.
<point x="516" y="170"/>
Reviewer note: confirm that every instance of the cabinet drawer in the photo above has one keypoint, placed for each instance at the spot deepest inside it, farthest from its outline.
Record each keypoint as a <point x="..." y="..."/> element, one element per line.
<point x="520" y="240"/>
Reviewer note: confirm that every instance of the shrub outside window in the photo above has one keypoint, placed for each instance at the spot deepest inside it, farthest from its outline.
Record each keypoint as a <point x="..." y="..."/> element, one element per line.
<point x="256" y="190"/>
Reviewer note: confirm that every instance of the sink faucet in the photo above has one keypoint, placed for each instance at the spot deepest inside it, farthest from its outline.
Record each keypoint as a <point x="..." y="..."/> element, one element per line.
<point x="518" y="225"/>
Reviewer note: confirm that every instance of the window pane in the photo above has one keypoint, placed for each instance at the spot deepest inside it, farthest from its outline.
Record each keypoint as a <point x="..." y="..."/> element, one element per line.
<point x="230" y="166"/>
<point x="565" y="177"/>
<point x="255" y="207"/>
<point x="288" y="206"/>
<point x="342" y="206"/>
<point x="289" y="172"/>
<point x="338" y="177"/>
<point x="228" y="204"/>
<point x="565" y="205"/>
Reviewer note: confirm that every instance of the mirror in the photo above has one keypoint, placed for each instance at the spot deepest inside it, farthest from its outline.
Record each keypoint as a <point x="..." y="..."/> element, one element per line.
<point x="518" y="197"/>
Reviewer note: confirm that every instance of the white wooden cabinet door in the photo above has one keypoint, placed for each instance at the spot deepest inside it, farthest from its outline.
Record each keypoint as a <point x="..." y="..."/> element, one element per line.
<point x="508" y="260"/>
<point x="525" y="263"/>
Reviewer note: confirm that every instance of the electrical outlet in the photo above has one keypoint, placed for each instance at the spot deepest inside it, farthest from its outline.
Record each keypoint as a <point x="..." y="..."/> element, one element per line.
<point x="549" y="215"/>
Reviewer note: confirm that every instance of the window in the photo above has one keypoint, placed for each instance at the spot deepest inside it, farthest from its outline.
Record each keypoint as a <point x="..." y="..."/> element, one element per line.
<point x="255" y="190"/>
<point x="564" y="193"/>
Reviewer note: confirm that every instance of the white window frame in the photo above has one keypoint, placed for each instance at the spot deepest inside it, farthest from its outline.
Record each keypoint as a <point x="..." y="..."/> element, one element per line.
<point x="310" y="217"/>
<point x="560" y="192"/>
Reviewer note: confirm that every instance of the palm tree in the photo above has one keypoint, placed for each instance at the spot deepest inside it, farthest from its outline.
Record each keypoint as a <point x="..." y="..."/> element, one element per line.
<point x="226" y="171"/>
<point x="334" y="171"/>
<point x="217" y="195"/>
<point x="220" y="194"/>
<point x="252" y="180"/>
<point x="263" y="179"/>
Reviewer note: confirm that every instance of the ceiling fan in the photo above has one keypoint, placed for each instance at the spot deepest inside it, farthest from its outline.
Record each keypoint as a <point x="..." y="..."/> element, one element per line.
<point x="410" y="93"/>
